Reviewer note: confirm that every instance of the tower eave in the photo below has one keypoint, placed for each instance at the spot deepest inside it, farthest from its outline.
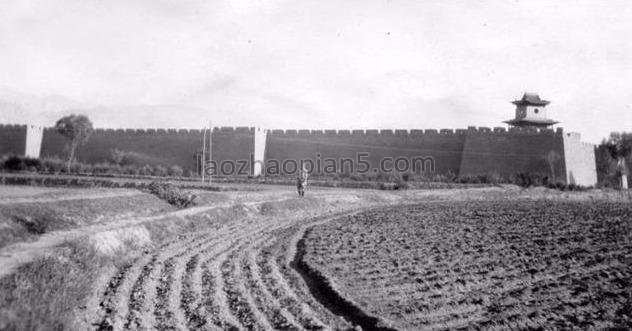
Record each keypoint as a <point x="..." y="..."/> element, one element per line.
<point x="530" y="103"/>
<point x="535" y="123"/>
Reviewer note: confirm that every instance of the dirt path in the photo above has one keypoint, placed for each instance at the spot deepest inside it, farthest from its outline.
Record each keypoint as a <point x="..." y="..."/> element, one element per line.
<point x="51" y="195"/>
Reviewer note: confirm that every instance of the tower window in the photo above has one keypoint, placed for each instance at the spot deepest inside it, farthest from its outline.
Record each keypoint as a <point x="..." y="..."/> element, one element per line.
<point x="536" y="110"/>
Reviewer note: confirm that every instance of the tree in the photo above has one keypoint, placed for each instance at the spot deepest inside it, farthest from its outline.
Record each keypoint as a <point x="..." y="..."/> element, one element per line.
<point x="77" y="128"/>
<point x="552" y="158"/>
<point x="619" y="145"/>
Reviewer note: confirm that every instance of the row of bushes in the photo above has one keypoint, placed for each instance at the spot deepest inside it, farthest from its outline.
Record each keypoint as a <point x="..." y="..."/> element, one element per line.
<point x="68" y="181"/>
<point x="448" y="177"/>
<point x="57" y="166"/>
<point x="529" y="180"/>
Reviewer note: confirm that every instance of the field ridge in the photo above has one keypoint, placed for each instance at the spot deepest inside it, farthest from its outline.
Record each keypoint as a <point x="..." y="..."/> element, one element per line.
<point x="321" y="288"/>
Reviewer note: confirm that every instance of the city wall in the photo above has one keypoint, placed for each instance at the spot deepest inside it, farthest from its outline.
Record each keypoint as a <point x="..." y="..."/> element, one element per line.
<point x="12" y="139"/>
<point x="471" y="151"/>
<point x="444" y="146"/>
<point x="506" y="153"/>
<point x="154" y="146"/>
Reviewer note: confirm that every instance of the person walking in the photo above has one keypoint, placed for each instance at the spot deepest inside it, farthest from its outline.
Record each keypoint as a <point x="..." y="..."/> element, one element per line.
<point x="301" y="181"/>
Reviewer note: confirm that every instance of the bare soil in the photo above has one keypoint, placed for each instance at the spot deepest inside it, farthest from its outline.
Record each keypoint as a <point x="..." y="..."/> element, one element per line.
<point x="481" y="264"/>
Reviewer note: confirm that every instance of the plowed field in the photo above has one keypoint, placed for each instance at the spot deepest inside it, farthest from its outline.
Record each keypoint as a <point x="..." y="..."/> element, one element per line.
<point x="234" y="277"/>
<point x="482" y="264"/>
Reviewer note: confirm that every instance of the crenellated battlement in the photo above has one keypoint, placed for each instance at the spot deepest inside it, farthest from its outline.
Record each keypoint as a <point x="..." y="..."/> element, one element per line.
<point x="149" y="131"/>
<point x="416" y="132"/>
<point x="13" y="126"/>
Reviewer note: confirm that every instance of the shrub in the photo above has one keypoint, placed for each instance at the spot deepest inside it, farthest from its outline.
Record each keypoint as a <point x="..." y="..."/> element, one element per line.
<point x="450" y="176"/>
<point x="146" y="170"/>
<point x="172" y="194"/>
<point x="31" y="225"/>
<point x="53" y="165"/>
<point x="401" y="182"/>
<point x="529" y="179"/>
<point x="130" y="170"/>
<point x="468" y="179"/>
<point x="357" y="177"/>
<point x="20" y="163"/>
<point x="388" y="186"/>
<point x="175" y="171"/>
<point x="401" y="185"/>
<point x="104" y="168"/>
<point x="160" y="171"/>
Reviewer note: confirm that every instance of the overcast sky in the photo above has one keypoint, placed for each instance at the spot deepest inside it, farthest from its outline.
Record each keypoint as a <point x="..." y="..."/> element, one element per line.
<point x="316" y="64"/>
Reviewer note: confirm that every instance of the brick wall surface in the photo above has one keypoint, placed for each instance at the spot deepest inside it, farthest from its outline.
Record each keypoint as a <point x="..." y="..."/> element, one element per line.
<point x="506" y="154"/>
<point x="12" y="139"/>
<point x="154" y="147"/>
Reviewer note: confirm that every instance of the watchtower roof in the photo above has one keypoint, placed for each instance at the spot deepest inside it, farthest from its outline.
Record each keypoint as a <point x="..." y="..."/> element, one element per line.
<point x="531" y="99"/>
<point x="544" y="122"/>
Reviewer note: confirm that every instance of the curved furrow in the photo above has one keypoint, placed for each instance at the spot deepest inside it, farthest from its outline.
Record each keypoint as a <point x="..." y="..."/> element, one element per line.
<point x="240" y="303"/>
<point x="111" y="295"/>
<point x="278" y="288"/>
<point x="190" y="294"/>
<point x="212" y="297"/>
<point x="193" y="296"/>
<point x="285" y="254"/>
<point x="135" y="318"/>
<point x="142" y="300"/>
<point x="236" y="297"/>
<point x="168" y="312"/>
<point x="265" y="302"/>
<point x="165" y="316"/>
<point x="198" y="291"/>
<point x="207" y="285"/>
<point x="236" y="276"/>
<point x="114" y="301"/>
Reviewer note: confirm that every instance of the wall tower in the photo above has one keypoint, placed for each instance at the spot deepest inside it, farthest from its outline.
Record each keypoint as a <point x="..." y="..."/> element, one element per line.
<point x="531" y="112"/>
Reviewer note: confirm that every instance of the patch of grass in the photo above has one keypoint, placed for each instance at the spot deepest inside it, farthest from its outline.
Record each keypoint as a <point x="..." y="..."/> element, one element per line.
<point x="27" y="221"/>
<point x="109" y="181"/>
<point x="44" y="294"/>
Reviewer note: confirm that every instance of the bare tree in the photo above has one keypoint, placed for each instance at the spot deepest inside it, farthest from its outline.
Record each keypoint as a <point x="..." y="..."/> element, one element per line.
<point x="78" y="129"/>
